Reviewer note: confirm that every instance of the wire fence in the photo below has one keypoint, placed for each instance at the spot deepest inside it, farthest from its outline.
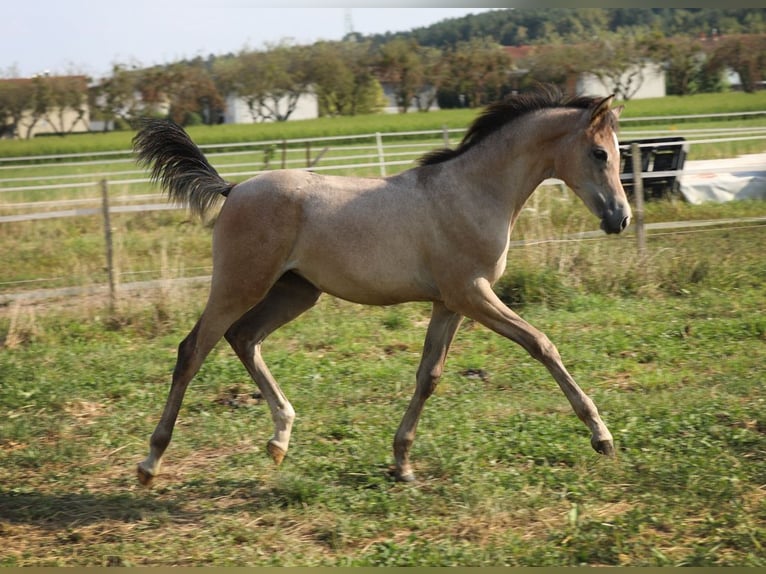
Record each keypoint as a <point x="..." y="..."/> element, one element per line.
<point x="37" y="188"/>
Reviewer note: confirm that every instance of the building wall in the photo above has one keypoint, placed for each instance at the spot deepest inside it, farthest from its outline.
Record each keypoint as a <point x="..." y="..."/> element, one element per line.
<point x="54" y="124"/>
<point x="652" y="85"/>
<point x="237" y="111"/>
<point x="390" y="97"/>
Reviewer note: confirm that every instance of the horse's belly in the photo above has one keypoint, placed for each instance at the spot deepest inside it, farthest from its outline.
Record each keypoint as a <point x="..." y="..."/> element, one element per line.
<point x="368" y="283"/>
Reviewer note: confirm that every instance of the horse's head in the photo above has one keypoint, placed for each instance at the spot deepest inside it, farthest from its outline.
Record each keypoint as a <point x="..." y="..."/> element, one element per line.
<point x="590" y="166"/>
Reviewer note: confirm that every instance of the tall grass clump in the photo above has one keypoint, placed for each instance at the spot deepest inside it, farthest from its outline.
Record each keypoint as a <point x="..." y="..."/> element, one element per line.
<point x="549" y="264"/>
<point x="674" y="265"/>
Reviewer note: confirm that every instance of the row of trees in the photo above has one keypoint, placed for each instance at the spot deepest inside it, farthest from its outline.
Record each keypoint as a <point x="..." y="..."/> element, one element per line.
<point x="59" y="101"/>
<point x="347" y="76"/>
<point x="526" y="26"/>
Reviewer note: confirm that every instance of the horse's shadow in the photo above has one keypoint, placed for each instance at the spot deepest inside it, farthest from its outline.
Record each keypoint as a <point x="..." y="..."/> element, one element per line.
<point x="56" y="511"/>
<point x="60" y="510"/>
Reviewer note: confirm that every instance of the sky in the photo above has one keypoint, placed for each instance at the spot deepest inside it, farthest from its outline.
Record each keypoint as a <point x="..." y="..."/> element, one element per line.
<point x="89" y="36"/>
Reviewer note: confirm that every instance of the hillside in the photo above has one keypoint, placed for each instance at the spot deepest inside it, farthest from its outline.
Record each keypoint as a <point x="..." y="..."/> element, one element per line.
<point x="513" y="26"/>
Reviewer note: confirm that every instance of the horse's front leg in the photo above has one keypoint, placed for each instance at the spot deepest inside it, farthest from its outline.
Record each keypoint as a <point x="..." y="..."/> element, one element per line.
<point x="483" y="305"/>
<point x="441" y="330"/>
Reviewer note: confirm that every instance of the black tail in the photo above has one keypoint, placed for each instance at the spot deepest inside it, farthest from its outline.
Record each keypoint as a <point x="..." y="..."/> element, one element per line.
<point x="179" y="165"/>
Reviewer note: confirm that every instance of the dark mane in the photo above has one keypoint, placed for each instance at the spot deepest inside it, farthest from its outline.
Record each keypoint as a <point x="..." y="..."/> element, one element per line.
<point x="496" y="115"/>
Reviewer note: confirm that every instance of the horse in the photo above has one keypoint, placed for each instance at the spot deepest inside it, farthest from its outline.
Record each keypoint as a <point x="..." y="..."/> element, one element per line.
<point x="437" y="232"/>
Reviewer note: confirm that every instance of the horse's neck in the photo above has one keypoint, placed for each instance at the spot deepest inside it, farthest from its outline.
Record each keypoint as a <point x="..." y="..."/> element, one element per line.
<point x="513" y="162"/>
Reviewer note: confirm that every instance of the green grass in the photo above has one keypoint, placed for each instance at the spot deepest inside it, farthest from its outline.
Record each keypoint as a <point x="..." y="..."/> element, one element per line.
<point x="671" y="349"/>
<point x="729" y="102"/>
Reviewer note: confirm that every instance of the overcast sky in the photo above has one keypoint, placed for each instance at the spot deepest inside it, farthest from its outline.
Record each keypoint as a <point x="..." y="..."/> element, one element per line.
<point x="88" y="36"/>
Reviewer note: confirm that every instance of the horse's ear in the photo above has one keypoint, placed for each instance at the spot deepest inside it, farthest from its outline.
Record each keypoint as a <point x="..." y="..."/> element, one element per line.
<point x="600" y="109"/>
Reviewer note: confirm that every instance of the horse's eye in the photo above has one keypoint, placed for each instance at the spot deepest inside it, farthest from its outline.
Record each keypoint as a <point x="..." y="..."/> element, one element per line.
<point x="600" y="154"/>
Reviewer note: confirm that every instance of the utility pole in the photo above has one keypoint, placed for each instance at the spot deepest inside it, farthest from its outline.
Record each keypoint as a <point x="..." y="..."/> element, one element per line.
<point x="348" y="24"/>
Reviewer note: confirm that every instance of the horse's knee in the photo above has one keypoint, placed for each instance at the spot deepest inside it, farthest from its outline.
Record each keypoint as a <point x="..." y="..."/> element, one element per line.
<point x="542" y="349"/>
<point x="427" y="379"/>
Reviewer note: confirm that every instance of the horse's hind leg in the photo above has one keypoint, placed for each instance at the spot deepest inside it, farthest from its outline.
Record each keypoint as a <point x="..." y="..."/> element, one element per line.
<point x="441" y="330"/>
<point x="191" y="353"/>
<point x="287" y="299"/>
<point x="230" y="297"/>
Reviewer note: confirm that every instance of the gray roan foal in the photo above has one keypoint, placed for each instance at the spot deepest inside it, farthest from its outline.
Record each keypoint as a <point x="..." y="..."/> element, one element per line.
<point x="437" y="232"/>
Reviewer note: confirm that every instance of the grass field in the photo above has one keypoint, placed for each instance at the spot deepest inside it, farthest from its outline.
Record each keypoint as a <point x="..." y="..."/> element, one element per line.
<point x="671" y="350"/>
<point x="671" y="347"/>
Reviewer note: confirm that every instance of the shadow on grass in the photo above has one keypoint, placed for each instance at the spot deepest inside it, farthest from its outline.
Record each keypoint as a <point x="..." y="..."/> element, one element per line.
<point x="54" y="511"/>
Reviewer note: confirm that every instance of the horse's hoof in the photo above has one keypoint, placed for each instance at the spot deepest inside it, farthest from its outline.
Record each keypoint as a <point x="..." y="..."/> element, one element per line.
<point x="402" y="475"/>
<point x="144" y="476"/>
<point x="605" y="447"/>
<point x="407" y="477"/>
<point x="276" y="453"/>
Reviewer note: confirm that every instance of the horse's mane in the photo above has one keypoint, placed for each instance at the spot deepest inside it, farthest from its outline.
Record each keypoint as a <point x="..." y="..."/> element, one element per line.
<point x="498" y="114"/>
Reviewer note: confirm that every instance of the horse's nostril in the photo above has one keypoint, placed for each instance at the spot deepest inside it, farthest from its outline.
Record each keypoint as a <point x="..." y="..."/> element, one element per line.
<point x="625" y="223"/>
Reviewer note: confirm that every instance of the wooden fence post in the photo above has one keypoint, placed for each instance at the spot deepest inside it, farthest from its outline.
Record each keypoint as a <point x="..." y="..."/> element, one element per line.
<point x="638" y="194"/>
<point x="109" y="244"/>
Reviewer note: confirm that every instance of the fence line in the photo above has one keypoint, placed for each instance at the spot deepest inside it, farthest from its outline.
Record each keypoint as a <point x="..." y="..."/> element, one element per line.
<point x="303" y="142"/>
<point x="679" y="227"/>
<point x="380" y="163"/>
<point x="380" y="157"/>
<point x="694" y="116"/>
<point x="91" y="179"/>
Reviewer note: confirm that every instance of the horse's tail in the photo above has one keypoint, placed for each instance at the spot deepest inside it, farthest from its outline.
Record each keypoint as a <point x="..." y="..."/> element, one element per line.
<point x="179" y="165"/>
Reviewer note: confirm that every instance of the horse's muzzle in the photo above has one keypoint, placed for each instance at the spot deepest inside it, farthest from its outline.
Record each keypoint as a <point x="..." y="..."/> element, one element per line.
<point x="615" y="222"/>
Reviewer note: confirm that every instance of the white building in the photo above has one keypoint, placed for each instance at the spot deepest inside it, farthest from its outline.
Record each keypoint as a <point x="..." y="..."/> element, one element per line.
<point x="646" y="82"/>
<point x="238" y="112"/>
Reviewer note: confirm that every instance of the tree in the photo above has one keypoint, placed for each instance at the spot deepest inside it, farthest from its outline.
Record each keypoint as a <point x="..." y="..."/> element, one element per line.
<point x="746" y="55"/>
<point x="15" y="97"/>
<point x="618" y="60"/>
<point x="401" y="67"/>
<point x="479" y="71"/>
<point x="66" y="104"/>
<point x="436" y="73"/>
<point x="270" y="82"/>
<point x="343" y="79"/>
<point x="558" y="64"/>
<point x="685" y="61"/>
<point x="153" y="85"/>
<point x="192" y="95"/>
<point x="116" y="97"/>
<point x="286" y="77"/>
<point x="185" y="92"/>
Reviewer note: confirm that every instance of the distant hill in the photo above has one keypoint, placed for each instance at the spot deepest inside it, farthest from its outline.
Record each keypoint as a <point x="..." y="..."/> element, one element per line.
<point x="515" y="27"/>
